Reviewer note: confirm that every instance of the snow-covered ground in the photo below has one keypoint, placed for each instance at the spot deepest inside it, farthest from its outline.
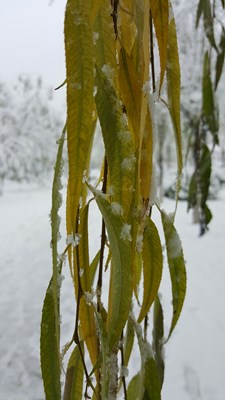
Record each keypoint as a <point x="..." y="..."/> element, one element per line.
<point x="195" y="355"/>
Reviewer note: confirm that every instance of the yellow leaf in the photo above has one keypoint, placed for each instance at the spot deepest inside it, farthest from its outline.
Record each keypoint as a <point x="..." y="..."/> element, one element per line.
<point x="131" y="92"/>
<point x="127" y="27"/>
<point x="160" y="15"/>
<point x="87" y="320"/>
<point x="146" y="160"/>
<point x="74" y="376"/>
<point x="104" y="38"/>
<point x="80" y="104"/>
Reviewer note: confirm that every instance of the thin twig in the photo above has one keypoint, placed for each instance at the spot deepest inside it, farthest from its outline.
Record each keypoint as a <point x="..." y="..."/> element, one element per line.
<point x="122" y="362"/>
<point x="103" y="241"/>
<point x="152" y="60"/>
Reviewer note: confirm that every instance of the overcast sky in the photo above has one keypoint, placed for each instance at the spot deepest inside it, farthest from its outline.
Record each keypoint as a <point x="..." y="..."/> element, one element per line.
<point x="31" y="39"/>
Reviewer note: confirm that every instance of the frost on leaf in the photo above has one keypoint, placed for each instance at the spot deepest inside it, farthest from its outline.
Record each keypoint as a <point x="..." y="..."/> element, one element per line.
<point x="117" y="208"/>
<point x="108" y="72"/>
<point x="89" y="297"/>
<point x="73" y="240"/>
<point x="124" y="136"/>
<point x="139" y="243"/>
<point x="126" y="232"/>
<point x="128" y="163"/>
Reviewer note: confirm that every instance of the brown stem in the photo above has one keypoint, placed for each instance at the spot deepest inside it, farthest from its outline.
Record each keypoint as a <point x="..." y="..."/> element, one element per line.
<point x="103" y="241"/>
<point x="122" y="362"/>
<point x="152" y="59"/>
<point x="145" y="327"/>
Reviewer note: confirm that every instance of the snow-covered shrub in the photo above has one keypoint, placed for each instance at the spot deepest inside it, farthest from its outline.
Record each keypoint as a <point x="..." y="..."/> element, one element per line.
<point x="30" y="126"/>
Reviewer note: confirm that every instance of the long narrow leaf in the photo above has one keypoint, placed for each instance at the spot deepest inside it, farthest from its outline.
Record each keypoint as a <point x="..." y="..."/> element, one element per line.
<point x="173" y="88"/>
<point x="121" y="270"/>
<point x="74" y="376"/>
<point x="152" y="266"/>
<point x="117" y="140"/>
<point x="160" y="15"/>
<point x="158" y="338"/>
<point x="49" y="346"/>
<point x="80" y="102"/>
<point x="50" y="323"/>
<point x="176" y="266"/>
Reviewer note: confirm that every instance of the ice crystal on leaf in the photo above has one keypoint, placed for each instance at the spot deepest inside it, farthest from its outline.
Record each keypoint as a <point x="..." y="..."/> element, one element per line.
<point x="126" y="232"/>
<point x="117" y="208"/>
<point x="73" y="240"/>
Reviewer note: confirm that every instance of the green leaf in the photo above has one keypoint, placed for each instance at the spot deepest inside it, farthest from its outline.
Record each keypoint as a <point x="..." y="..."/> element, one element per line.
<point x="49" y="346"/>
<point x="50" y="323"/>
<point x="74" y="376"/>
<point x="223" y="3"/>
<point x="200" y="11"/>
<point x="120" y="293"/>
<point x="117" y="140"/>
<point x="80" y="101"/>
<point x="208" y="23"/>
<point x="160" y="15"/>
<point x="205" y="173"/>
<point x="135" y="387"/>
<point x="192" y="192"/>
<point x="220" y="59"/>
<point x="151" y="379"/>
<point x="176" y="267"/>
<point x="158" y="337"/>
<point x="93" y="267"/>
<point x="152" y="266"/>
<point x="128" y="342"/>
<point x="209" y="109"/>
<point x="149" y="372"/>
<point x="173" y="90"/>
<point x="104" y="351"/>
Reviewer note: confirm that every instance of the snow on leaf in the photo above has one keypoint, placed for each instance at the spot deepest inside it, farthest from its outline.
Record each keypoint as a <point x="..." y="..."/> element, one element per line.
<point x="125" y="233"/>
<point x="74" y="240"/>
<point x="117" y="208"/>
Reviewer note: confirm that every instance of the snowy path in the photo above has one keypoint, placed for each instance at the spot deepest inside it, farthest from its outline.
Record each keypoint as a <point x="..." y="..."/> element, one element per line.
<point x="195" y="355"/>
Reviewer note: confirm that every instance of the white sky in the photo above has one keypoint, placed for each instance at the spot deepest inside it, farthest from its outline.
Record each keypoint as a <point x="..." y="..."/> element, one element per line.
<point x="31" y="40"/>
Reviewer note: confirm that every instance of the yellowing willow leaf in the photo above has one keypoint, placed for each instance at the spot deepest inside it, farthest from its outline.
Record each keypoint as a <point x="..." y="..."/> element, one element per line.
<point x="87" y="320"/>
<point x="152" y="266"/>
<point x="120" y="295"/>
<point x="160" y="15"/>
<point x="50" y="352"/>
<point x="176" y="266"/>
<point x="104" y="38"/>
<point x="74" y="376"/>
<point x="80" y="104"/>
<point x="146" y="160"/>
<point x="117" y="140"/>
<point x="131" y="91"/>
<point x="173" y="89"/>
<point x="128" y="30"/>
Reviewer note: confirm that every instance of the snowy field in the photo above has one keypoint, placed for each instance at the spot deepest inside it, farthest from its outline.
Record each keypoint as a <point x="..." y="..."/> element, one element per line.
<point x="195" y="355"/>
